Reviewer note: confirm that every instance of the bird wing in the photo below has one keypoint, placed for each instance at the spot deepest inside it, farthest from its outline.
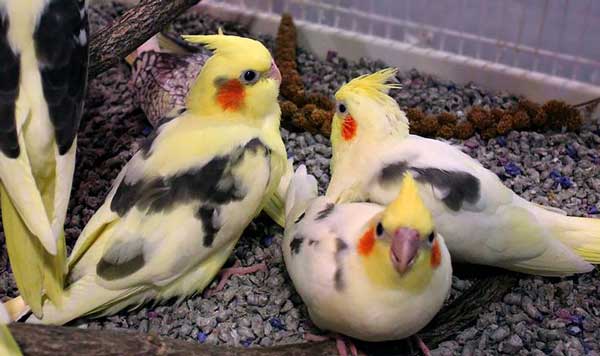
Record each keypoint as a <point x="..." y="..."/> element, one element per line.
<point x="472" y="209"/>
<point x="178" y="202"/>
<point x="15" y="168"/>
<point x="61" y="42"/>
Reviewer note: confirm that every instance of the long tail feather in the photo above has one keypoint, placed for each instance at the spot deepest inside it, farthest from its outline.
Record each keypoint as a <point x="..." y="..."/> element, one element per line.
<point x="35" y="270"/>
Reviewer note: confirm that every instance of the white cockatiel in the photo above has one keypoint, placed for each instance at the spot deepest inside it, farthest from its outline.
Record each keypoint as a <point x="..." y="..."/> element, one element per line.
<point x="482" y="220"/>
<point x="179" y="206"/>
<point x="43" y="76"/>
<point x="364" y="270"/>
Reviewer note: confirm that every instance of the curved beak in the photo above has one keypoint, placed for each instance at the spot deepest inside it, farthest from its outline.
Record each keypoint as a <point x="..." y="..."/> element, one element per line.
<point x="404" y="248"/>
<point x="274" y="72"/>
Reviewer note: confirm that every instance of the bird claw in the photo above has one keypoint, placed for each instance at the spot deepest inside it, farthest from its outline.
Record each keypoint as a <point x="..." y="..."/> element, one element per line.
<point x="342" y="343"/>
<point x="422" y="346"/>
<point x="236" y="270"/>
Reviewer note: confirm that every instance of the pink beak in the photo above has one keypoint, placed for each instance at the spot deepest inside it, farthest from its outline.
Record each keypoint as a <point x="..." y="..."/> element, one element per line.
<point x="404" y="249"/>
<point x="274" y="72"/>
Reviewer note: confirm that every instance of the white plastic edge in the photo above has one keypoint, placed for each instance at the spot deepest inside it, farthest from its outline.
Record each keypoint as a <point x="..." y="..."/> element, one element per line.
<point x="460" y="69"/>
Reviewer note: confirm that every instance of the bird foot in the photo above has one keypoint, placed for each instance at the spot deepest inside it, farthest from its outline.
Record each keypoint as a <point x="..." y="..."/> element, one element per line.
<point x="226" y="273"/>
<point x="342" y="343"/>
<point x="422" y="346"/>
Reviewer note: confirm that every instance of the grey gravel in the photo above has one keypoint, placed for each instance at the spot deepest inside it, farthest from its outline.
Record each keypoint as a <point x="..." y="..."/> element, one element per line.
<point x="539" y="316"/>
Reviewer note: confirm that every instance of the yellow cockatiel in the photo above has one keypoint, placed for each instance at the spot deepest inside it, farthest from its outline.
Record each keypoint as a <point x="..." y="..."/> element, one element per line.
<point x="179" y="206"/>
<point x="43" y="75"/>
<point x="364" y="270"/>
<point x="481" y="219"/>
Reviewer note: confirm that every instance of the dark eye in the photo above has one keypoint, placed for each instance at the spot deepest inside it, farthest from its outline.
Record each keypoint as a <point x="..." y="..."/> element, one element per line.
<point x="431" y="237"/>
<point x="249" y="76"/>
<point x="342" y="108"/>
<point x="379" y="229"/>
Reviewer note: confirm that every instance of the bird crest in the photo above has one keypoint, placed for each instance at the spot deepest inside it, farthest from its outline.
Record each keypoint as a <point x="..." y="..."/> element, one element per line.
<point x="224" y="44"/>
<point x="373" y="85"/>
<point x="408" y="209"/>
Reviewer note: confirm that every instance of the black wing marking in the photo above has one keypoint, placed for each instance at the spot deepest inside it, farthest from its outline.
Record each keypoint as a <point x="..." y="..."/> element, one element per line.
<point x="10" y="70"/>
<point x="61" y="42"/>
<point x="112" y="266"/>
<point x="338" y="277"/>
<point x="461" y="186"/>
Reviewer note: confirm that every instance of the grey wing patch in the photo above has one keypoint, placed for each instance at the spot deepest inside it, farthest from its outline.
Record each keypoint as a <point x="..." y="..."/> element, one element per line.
<point x="325" y="212"/>
<point x="214" y="183"/>
<point x="338" y="277"/>
<point x="209" y="217"/>
<point x="61" y="44"/>
<point x="114" y="266"/>
<point x="296" y="244"/>
<point x="10" y="71"/>
<point x="459" y="186"/>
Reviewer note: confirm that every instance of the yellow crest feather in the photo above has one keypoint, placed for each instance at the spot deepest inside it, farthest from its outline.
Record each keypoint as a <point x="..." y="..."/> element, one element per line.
<point x="221" y="44"/>
<point x="374" y="85"/>
<point x="408" y="209"/>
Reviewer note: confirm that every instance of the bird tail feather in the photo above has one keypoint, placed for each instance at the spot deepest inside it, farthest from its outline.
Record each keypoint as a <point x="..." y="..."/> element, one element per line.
<point x="303" y="188"/>
<point x="36" y="271"/>
<point x="8" y="345"/>
<point x="275" y="206"/>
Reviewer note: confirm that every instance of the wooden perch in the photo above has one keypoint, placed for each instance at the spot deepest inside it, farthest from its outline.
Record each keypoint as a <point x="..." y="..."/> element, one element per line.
<point x="45" y="340"/>
<point x="136" y="26"/>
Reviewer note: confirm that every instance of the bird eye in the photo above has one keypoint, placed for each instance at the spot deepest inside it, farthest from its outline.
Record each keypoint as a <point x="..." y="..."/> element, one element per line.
<point x="249" y="76"/>
<point x="431" y="237"/>
<point x="379" y="229"/>
<point x="342" y="108"/>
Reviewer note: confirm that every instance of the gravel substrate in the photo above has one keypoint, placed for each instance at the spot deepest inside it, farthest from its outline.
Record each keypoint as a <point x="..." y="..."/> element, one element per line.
<point x="539" y="316"/>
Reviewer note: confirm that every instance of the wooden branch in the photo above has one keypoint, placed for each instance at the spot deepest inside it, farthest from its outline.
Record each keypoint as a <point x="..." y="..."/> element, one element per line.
<point x="136" y="26"/>
<point x="44" y="340"/>
<point x="463" y="311"/>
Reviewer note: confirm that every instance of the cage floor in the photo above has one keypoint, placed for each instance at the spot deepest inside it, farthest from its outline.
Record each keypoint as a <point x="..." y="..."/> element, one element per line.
<point x="539" y="316"/>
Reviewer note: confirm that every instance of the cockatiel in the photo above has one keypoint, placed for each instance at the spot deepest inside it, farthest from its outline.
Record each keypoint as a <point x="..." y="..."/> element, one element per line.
<point x="164" y="69"/>
<point x="43" y="76"/>
<point x="482" y="220"/>
<point x="364" y="270"/>
<point x="179" y="206"/>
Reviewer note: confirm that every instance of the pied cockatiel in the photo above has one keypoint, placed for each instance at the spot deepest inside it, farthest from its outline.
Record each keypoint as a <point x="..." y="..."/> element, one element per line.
<point x="43" y="75"/>
<point x="368" y="271"/>
<point x="482" y="220"/>
<point x="179" y="206"/>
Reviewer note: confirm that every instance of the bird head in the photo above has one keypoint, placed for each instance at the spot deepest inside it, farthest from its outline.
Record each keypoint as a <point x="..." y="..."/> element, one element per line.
<point x="240" y="78"/>
<point x="364" y="109"/>
<point x="400" y="247"/>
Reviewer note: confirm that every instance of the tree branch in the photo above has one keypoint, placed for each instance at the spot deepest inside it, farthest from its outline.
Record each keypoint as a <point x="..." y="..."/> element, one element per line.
<point x="46" y="340"/>
<point x="131" y="30"/>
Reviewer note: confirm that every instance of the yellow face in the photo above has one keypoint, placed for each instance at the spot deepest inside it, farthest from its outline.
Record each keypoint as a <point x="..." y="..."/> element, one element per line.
<point x="399" y="247"/>
<point x="240" y="78"/>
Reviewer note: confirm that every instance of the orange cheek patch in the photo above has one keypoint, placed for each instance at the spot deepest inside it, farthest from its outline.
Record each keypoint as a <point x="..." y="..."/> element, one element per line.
<point x="348" y="128"/>
<point x="436" y="254"/>
<point x="230" y="95"/>
<point x="366" y="242"/>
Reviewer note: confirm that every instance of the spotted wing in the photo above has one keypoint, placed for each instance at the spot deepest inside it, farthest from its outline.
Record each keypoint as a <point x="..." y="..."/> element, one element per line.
<point x="61" y="42"/>
<point x="470" y="205"/>
<point x="158" y="224"/>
